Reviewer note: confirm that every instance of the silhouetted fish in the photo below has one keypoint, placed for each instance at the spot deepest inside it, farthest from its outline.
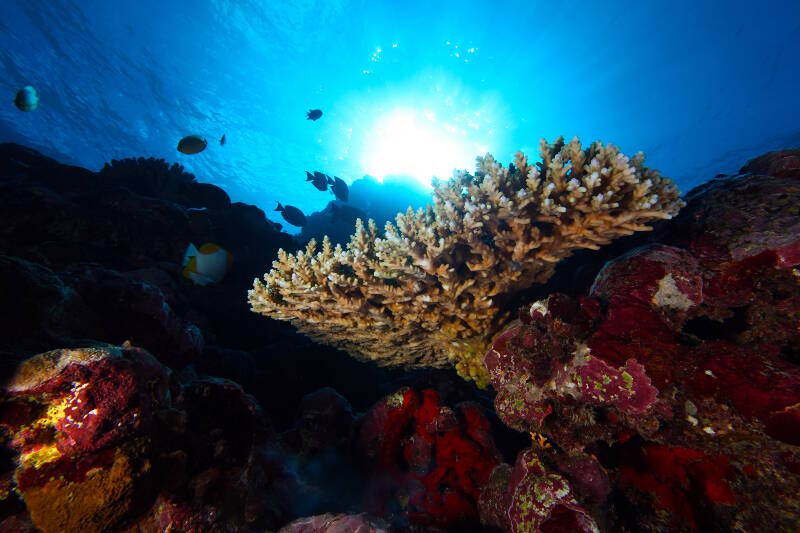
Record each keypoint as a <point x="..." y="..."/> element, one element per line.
<point x="27" y="99"/>
<point x="292" y="215"/>
<point x="339" y="188"/>
<point x="192" y="144"/>
<point x="314" y="114"/>
<point x="317" y="179"/>
<point x="222" y="141"/>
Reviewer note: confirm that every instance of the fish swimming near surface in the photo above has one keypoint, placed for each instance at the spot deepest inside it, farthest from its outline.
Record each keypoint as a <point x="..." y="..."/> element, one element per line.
<point x="292" y="215"/>
<point x="192" y="144"/>
<point x="347" y="214"/>
<point x="222" y="140"/>
<point x="339" y="188"/>
<point x="207" y="264"/>
<point x="27" y="99"/>
<point x="314" y="114"/>
<point x="318" y="180"/>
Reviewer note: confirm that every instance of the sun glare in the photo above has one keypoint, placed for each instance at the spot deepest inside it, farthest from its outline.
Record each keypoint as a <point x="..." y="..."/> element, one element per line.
<point x="411" y="143"/>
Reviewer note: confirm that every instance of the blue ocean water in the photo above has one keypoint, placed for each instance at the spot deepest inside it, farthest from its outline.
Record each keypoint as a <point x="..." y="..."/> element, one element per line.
<point x="411" y="89"/>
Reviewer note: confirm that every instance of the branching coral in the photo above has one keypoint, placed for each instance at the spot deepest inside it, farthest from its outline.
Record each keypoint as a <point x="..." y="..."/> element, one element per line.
<point x="427" y="291"/>
<point x="150" y="176"/>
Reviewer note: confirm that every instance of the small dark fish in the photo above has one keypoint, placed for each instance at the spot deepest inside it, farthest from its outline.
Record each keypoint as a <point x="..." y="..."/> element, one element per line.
<point x="222" y="141"/>
<point x="314" y="114"/>
<point x="318" y="181"/>
<point x="192" y="144"/>
<point x="347" y="214"/>
<point x="27" y="99"/>
<point x="292" y="215"/>
<point x="339" y="188"/>
<point x="718" y="176"/>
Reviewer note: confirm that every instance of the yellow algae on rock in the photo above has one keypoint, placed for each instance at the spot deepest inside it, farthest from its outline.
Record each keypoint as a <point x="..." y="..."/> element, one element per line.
<point x="43" y="367"/>
<point x="97" y="503"/>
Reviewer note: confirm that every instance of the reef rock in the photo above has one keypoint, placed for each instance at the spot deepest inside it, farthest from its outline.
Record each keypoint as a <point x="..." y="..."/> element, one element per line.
<point x="330" y="523"/>
<point x="671" y="392"/>
<point x="82" y="423"/>
<point x="529" y="497"/>
<point x="106" y="438"/>
<point x="96" y="256"/>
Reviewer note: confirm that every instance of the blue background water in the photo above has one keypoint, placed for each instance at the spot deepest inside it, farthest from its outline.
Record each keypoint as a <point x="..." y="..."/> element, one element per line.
<point x="410" y="88"/>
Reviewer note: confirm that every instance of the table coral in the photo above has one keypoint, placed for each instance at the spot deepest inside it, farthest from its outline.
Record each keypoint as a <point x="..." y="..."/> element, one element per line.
<point x="434" y="287"/>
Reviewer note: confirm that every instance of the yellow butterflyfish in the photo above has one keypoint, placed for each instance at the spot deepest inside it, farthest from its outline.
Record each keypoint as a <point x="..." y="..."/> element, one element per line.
<point x="207" y="264"/>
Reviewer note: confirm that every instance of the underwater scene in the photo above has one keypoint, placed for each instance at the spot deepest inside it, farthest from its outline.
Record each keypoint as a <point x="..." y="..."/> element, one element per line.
<point x="367" y="266"/>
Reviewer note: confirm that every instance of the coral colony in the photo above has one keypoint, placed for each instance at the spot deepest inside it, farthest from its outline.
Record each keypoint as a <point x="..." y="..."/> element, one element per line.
<point x="426" y="292"/>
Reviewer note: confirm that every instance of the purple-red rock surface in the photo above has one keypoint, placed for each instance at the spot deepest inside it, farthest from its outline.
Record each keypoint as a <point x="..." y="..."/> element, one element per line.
<point x="669" y="396"/>
<point x="107" y="439"/>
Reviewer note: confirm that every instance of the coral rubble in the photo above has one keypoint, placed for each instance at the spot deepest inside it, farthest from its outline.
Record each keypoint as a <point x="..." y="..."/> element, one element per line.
<point x="433" y="288"/>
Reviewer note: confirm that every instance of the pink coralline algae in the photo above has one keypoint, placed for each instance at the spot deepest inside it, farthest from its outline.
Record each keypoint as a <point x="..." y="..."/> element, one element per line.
<point x="673" y="387"/>
<point x="106" y="438"/>
<point x="545" y="360"/>
<point x="80" y="421"/>
<point x="330" y="523"/>
<point x="531" y="498"/>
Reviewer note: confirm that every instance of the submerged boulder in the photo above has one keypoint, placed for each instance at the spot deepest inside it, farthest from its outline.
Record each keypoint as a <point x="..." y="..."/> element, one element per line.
<point x="107" y="437"/>
<point x="673" y="386"/>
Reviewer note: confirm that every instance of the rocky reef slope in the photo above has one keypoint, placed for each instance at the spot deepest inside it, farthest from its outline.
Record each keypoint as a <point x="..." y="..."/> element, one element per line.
<point x="652" y="385"/>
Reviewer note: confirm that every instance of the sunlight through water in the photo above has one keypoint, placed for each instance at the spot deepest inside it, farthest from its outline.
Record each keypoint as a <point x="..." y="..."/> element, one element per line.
<point x="412" y="143"/>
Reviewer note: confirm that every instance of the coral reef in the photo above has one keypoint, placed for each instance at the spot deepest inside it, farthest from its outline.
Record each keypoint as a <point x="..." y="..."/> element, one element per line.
<point x="672" y="390"/>
<point x="432" y="290"/>
<point x="109" y="439"/>
<point x="157" y="178"/>
<point x="426" y="462"/>
<point x="661" y="397"/>
<point x="106" y="439"/>
<point x="87" y="257"/>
